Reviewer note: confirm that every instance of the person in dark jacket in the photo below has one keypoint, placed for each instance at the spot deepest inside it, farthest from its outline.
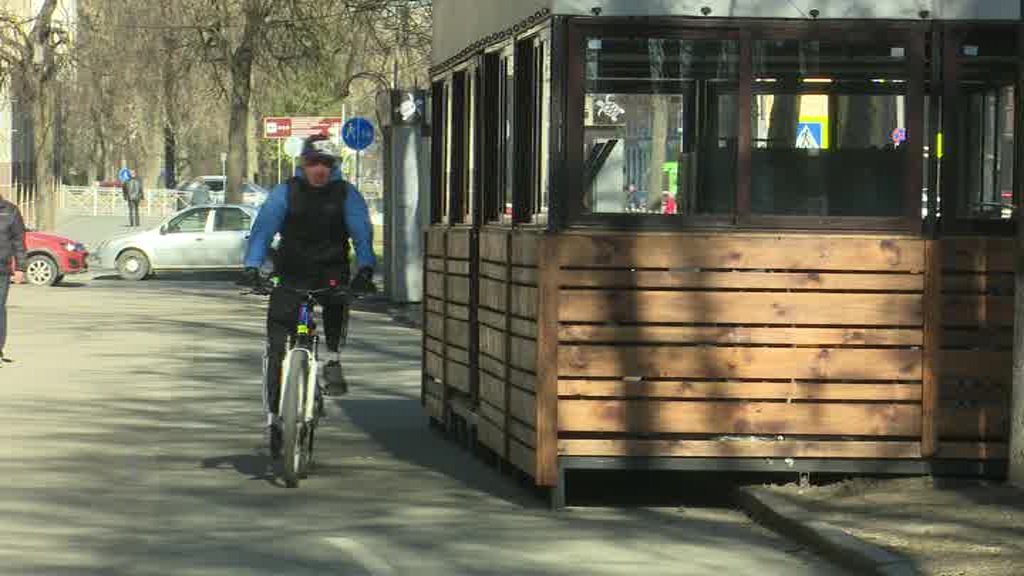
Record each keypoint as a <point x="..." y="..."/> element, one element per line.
<point x="317" y="213"/>
<point x="12" y="257"/>
<point x="132" y="192"/>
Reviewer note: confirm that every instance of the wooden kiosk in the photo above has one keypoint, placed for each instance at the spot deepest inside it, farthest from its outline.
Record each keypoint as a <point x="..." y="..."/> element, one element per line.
<point x="670" y="236"/>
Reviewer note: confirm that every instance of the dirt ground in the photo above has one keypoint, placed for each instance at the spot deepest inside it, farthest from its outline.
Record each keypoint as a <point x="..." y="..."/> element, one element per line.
<point x="947" y="527"/>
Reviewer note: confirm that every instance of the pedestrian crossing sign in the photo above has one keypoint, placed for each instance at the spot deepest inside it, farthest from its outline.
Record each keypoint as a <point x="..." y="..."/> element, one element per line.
<point x="808" y="136"/>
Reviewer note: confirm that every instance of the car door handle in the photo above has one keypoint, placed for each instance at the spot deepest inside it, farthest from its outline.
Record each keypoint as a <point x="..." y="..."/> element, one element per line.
<point x="199" y="239"/>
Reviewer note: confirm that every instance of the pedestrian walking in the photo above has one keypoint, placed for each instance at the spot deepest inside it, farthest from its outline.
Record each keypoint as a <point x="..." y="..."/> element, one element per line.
<point x="132" y="192"/>
<point x="12" y="261"/>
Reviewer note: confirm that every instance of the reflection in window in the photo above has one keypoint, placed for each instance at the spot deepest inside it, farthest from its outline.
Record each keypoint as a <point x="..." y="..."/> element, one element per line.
<point x="189" y="222"/>
<point x="231" y="220"/>
<point x="660" y="126"/>
<point x="829" y="121"/>
<point x="985" y="118"/>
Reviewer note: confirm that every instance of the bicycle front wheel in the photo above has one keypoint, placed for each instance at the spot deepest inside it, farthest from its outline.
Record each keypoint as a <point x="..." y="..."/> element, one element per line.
<point x="293" y="447"/>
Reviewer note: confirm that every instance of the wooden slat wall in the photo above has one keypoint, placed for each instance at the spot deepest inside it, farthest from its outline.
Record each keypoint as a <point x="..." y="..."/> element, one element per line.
<point x="507" y="345"/>
<point x="976" y="361"/>
<point x="751" y="346"/>
<point x="434" y="313"/>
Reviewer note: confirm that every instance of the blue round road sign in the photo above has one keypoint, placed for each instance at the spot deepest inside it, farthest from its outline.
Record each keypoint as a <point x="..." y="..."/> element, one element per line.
<point x="124" y="175"/>
<point x="357" y="133"/>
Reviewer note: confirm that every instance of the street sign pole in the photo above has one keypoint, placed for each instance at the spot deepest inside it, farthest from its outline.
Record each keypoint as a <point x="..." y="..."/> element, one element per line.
<point x="280" y="158"/>
<point x="359" y="153"/>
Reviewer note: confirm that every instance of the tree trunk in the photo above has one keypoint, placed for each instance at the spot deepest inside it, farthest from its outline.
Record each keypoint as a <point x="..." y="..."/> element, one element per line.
<point x="241" y="98"/>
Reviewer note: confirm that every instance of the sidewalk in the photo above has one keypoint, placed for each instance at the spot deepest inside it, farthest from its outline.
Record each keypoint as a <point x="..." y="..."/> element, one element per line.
<point x="939" y="527"/>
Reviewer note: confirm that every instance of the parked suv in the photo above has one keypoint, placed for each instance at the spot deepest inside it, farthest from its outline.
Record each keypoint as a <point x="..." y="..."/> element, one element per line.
<point x="51" y="257"/>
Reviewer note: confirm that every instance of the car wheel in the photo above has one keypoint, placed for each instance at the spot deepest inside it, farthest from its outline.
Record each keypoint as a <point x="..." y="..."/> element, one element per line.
<point x="41" y="271"/>
<point x="133" y="265"/>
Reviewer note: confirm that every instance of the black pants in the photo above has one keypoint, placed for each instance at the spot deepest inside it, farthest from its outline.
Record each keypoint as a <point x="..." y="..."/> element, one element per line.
<point x="5" y="284"/>
<point x="133" y="212"/>
<point x="282" y="318"/>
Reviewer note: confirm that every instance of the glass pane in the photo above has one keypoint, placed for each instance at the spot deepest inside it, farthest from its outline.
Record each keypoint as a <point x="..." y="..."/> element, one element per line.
<point x="508" y="99"/>
<point x="194" y="221"/>
<point x="829" y="121"/>
<point x="660" y="127"/>
<point x="986" y="118"/>
<point x="232" y="220"/>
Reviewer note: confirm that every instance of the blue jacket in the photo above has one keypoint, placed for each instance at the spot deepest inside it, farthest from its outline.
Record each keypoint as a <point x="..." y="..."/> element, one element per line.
<point x="272" y="214"/>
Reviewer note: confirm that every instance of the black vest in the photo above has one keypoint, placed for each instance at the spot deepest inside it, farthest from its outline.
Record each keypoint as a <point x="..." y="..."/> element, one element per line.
<point x="314" y="238"/>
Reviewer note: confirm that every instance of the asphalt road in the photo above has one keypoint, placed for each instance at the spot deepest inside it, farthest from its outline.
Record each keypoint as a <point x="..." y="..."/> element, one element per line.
<point x="133" y="424"/>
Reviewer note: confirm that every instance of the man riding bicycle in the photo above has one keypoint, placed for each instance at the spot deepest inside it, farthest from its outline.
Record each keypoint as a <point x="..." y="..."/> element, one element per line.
<point x="316" y="214"/>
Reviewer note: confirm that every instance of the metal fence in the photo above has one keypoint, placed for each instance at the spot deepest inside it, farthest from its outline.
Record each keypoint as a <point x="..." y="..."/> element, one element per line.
<point x="97" y="201"/>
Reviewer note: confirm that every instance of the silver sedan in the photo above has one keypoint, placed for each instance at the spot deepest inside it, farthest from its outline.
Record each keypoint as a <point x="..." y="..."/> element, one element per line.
<point x="198" y="238"/>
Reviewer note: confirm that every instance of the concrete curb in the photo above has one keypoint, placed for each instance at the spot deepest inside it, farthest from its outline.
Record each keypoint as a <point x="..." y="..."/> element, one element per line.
<point x="832" y="542"/>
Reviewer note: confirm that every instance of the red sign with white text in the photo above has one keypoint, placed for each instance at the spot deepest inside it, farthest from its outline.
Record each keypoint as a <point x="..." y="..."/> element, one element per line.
<point x="275" y="128"/>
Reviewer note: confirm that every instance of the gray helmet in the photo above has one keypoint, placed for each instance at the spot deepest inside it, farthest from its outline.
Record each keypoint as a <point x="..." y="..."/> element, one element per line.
<point x="320" y="147"/>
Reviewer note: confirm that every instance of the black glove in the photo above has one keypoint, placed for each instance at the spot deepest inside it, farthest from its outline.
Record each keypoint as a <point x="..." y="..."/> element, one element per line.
<point x="250" y="278"/>
<point x="363" y="282"/>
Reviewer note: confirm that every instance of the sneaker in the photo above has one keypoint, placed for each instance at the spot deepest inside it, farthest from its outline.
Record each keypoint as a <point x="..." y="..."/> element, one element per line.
<point x="334" y="378"/>
<point x="274" y="439"/>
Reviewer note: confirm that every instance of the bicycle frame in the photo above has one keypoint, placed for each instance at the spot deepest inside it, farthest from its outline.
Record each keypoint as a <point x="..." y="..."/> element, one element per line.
<point x="305" y="340"/>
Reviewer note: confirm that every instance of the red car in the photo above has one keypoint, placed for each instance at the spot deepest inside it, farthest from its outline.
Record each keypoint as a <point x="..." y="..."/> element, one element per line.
<point x="51" y="257"/>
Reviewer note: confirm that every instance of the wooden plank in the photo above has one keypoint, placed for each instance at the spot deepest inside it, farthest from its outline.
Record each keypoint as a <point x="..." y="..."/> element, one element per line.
<point x="436" y="242"/>
<point x="492" y="391"/>
<point x="983" y="338"/>
<point x="494" y="245"/>
<point x="435" y="325"/>
<point x="526" y="276"/>
<point x="932" y="348"/>
<point x="458" y="376"/>
<point x="973" y="451"/>
<point x="490" y="318"/>
<point x="458" y="289"/>
<point x="525" y="248"/>
<point x="975" y="310"/>
<point x="732" y="251"/>
<point x="433" y="364"/>
<point x="494" y="271"/>
<point x="492" y="414"/>
<point x="741" y="308"/>
<point x="434" y="407"/>
<point x="492" y="342"/>
<point x="435" y="265"/>
<point x="739" y="390"/>
<point x="524" y="302"/>
<point x="978" y="283"/>
<point x="644" y="417"/>
<point x="524" y="328"/>
<point x="457" y="333"/>
<point x="457" y="354"/>
<point x="740" y="449"/>
<point x="458" y="267"/>
<point x="459" y="240"/>
<point x="989" y="422"/>
<point x="546" y="350"/>
<point x="523" y="458"/>
<point x="493" y="295"/>
<point x="522" y="406"/>
<point x="610" y="334"/>
<point x="978" y="364"/>
<point x="752" y="363"/>
<point x="435" y="284"/>
<point x="490" y="365"/>
<point x="436" y="306"/>
<point x="522" y="380"/>
<point x="433" y="387"/>
<point x="435" y="346"/>
<point x="740" y="280"/>
<point x="458" y="311"/>
<point x="523" y="354"/>
<point x="491" y="436"/>
<point x="988" y="254"/>
<point x="524" y="434"/>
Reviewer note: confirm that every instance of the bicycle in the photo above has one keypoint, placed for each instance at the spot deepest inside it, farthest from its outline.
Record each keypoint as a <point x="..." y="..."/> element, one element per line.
<point x="301" y="399"/>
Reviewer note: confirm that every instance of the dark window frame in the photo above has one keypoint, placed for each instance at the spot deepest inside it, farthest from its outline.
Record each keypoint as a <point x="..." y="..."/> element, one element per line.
<point x="439" y="143"/>
<point x="910" y="35"/>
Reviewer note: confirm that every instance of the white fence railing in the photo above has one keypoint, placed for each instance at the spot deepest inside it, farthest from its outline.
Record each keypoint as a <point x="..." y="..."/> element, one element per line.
<point x="96" y="201"/>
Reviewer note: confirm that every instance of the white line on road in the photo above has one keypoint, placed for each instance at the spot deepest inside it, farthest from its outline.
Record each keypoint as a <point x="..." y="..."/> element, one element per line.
<point x="372" y="563"/>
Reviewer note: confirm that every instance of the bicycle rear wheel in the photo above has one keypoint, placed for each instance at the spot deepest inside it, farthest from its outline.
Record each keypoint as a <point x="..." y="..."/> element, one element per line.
<point x="294" y="448"/>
